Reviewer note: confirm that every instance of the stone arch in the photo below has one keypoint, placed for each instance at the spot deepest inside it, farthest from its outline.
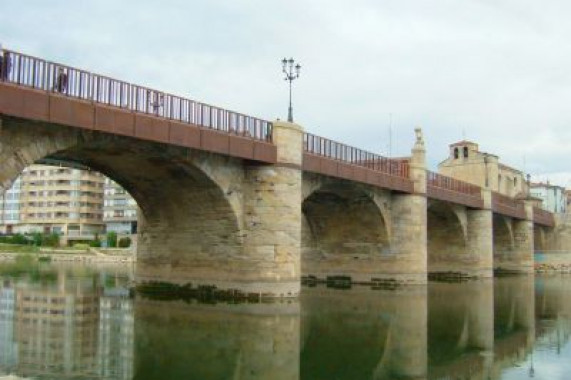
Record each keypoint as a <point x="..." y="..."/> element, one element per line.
<point x="381" y="197"/>
<point x="503" y="236"/>
<point x="344" y="230"/>
<point x="190" y="200"/>
<point x="539" y="238"/>
<point x="446" y="238"/>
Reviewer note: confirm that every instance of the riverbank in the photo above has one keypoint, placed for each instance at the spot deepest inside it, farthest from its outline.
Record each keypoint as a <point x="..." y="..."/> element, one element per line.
<point x="90" y="255"/>
<point x="553" y="262"/>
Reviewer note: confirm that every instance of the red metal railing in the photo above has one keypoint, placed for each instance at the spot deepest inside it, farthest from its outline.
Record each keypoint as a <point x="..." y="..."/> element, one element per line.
<point x="448" y="183"/>
<point x="44" y="75"/>
<point x="337" y="151"/>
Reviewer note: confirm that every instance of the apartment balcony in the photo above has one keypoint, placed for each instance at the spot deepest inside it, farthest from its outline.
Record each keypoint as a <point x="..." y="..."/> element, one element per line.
<point x="123" y="207"/>
<point x="61" y="220"/>
<point x="107" y="219"/>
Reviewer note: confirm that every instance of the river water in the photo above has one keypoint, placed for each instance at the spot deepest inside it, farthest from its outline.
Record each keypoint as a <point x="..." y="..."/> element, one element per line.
<point x="77" y="322"/>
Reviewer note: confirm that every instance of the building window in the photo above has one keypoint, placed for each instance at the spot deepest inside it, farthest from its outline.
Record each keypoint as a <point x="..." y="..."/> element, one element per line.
<point x="455" y="153"/>
<point x="465" y="152"/>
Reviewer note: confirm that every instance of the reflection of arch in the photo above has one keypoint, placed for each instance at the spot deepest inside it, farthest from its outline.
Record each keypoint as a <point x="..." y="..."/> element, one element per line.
<point x="188" y="208"/>
<point x="446" y="232"/>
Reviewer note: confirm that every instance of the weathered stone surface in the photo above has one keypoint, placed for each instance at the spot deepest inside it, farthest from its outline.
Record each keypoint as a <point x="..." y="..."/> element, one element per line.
<point x="211" y="219"/>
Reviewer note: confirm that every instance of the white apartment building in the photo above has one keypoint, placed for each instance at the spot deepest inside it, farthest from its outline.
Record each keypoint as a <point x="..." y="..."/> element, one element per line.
<point x="10" y="208"/>
<point x="52" y="199"/>
<point x="119" y="210"/>
<point x="554" y="198"/>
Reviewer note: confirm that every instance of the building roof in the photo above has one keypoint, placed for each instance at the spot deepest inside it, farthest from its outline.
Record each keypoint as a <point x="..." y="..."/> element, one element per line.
<point x="547" y="185"/>
<point x="463" y="142"/>
<point x="507" y="167"/>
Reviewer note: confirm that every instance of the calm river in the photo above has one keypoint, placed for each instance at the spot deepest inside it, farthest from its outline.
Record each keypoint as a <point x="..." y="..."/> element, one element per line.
<point x="79" y="322"/>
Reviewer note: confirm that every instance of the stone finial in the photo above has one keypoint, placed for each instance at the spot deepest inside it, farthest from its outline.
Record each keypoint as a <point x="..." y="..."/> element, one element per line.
<point x="419" y="143"/>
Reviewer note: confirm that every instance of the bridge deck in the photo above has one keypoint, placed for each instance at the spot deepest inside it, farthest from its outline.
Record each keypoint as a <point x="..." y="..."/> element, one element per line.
<point x="507" y="206"/>
<point x="36" y="89"/>
<point x="452" y="190"/>
<point x="338" y="160"/>
<point x="542" y="217"/>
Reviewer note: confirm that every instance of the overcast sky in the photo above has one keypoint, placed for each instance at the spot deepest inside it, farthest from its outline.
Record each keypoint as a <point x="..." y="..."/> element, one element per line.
<point x="497" y="72"/>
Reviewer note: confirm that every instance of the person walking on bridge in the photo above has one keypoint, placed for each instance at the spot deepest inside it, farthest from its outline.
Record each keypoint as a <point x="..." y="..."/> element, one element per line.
<point x="61" y="80"/>
<point x="5" y="64"/>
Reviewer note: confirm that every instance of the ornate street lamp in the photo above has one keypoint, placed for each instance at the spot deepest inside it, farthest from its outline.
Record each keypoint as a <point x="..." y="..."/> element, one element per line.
<point x="292" y="73"/>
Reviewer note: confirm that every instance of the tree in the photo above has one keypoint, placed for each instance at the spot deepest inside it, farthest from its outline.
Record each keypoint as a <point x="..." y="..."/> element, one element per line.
<point x="111" y="239"/>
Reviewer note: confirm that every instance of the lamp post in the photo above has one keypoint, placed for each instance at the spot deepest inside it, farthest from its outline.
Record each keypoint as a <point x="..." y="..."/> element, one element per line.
<point x="292" y="73"/>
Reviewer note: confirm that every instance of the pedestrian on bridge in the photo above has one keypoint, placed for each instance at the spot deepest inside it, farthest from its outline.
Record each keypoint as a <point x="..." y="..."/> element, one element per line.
<point x="5" y="64"/>
<point x="61" y="80"/>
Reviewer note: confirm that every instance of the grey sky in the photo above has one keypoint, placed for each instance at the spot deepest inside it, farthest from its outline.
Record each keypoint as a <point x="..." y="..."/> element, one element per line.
<point x="496" y="71"/>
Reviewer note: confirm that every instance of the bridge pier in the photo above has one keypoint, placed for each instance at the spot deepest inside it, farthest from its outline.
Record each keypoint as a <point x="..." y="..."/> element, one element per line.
<point x="409" y="220"/>
<point x="479" y="242"/>
<point x="272" y="216"/>
<point x="238" y="228"/>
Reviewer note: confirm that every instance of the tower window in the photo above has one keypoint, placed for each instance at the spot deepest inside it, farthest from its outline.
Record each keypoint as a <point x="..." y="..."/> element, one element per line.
<point x="465" y="151"/>
<point x="456" y="153"/>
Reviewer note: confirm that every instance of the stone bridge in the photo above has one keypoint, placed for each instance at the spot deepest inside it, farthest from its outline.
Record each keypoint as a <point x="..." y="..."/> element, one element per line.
<point x="245" y="204"/>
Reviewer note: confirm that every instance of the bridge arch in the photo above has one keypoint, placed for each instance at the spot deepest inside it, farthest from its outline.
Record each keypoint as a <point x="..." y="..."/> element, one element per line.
<point x="503" y="235"/>
<point x="190" y="200"/>
<point x="540" y="237"/>
<point x="345" y="231"/>
<point x="446" y="238"/>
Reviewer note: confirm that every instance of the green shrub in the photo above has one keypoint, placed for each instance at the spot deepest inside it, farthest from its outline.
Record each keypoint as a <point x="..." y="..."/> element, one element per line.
<point x="19" y="239"/>
<point x="125" y="242"/>
<point x="111" y="239"/>
<point x="37" y="238"/>
<point x="50" y="240"/>
<point x="14" y="239"/>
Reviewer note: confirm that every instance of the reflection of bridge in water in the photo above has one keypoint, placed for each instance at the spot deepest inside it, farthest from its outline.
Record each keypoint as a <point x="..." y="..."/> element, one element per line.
<point x="70" y="328"/>
<point x="242" y="203"/>
<point x="86" y="326"/>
